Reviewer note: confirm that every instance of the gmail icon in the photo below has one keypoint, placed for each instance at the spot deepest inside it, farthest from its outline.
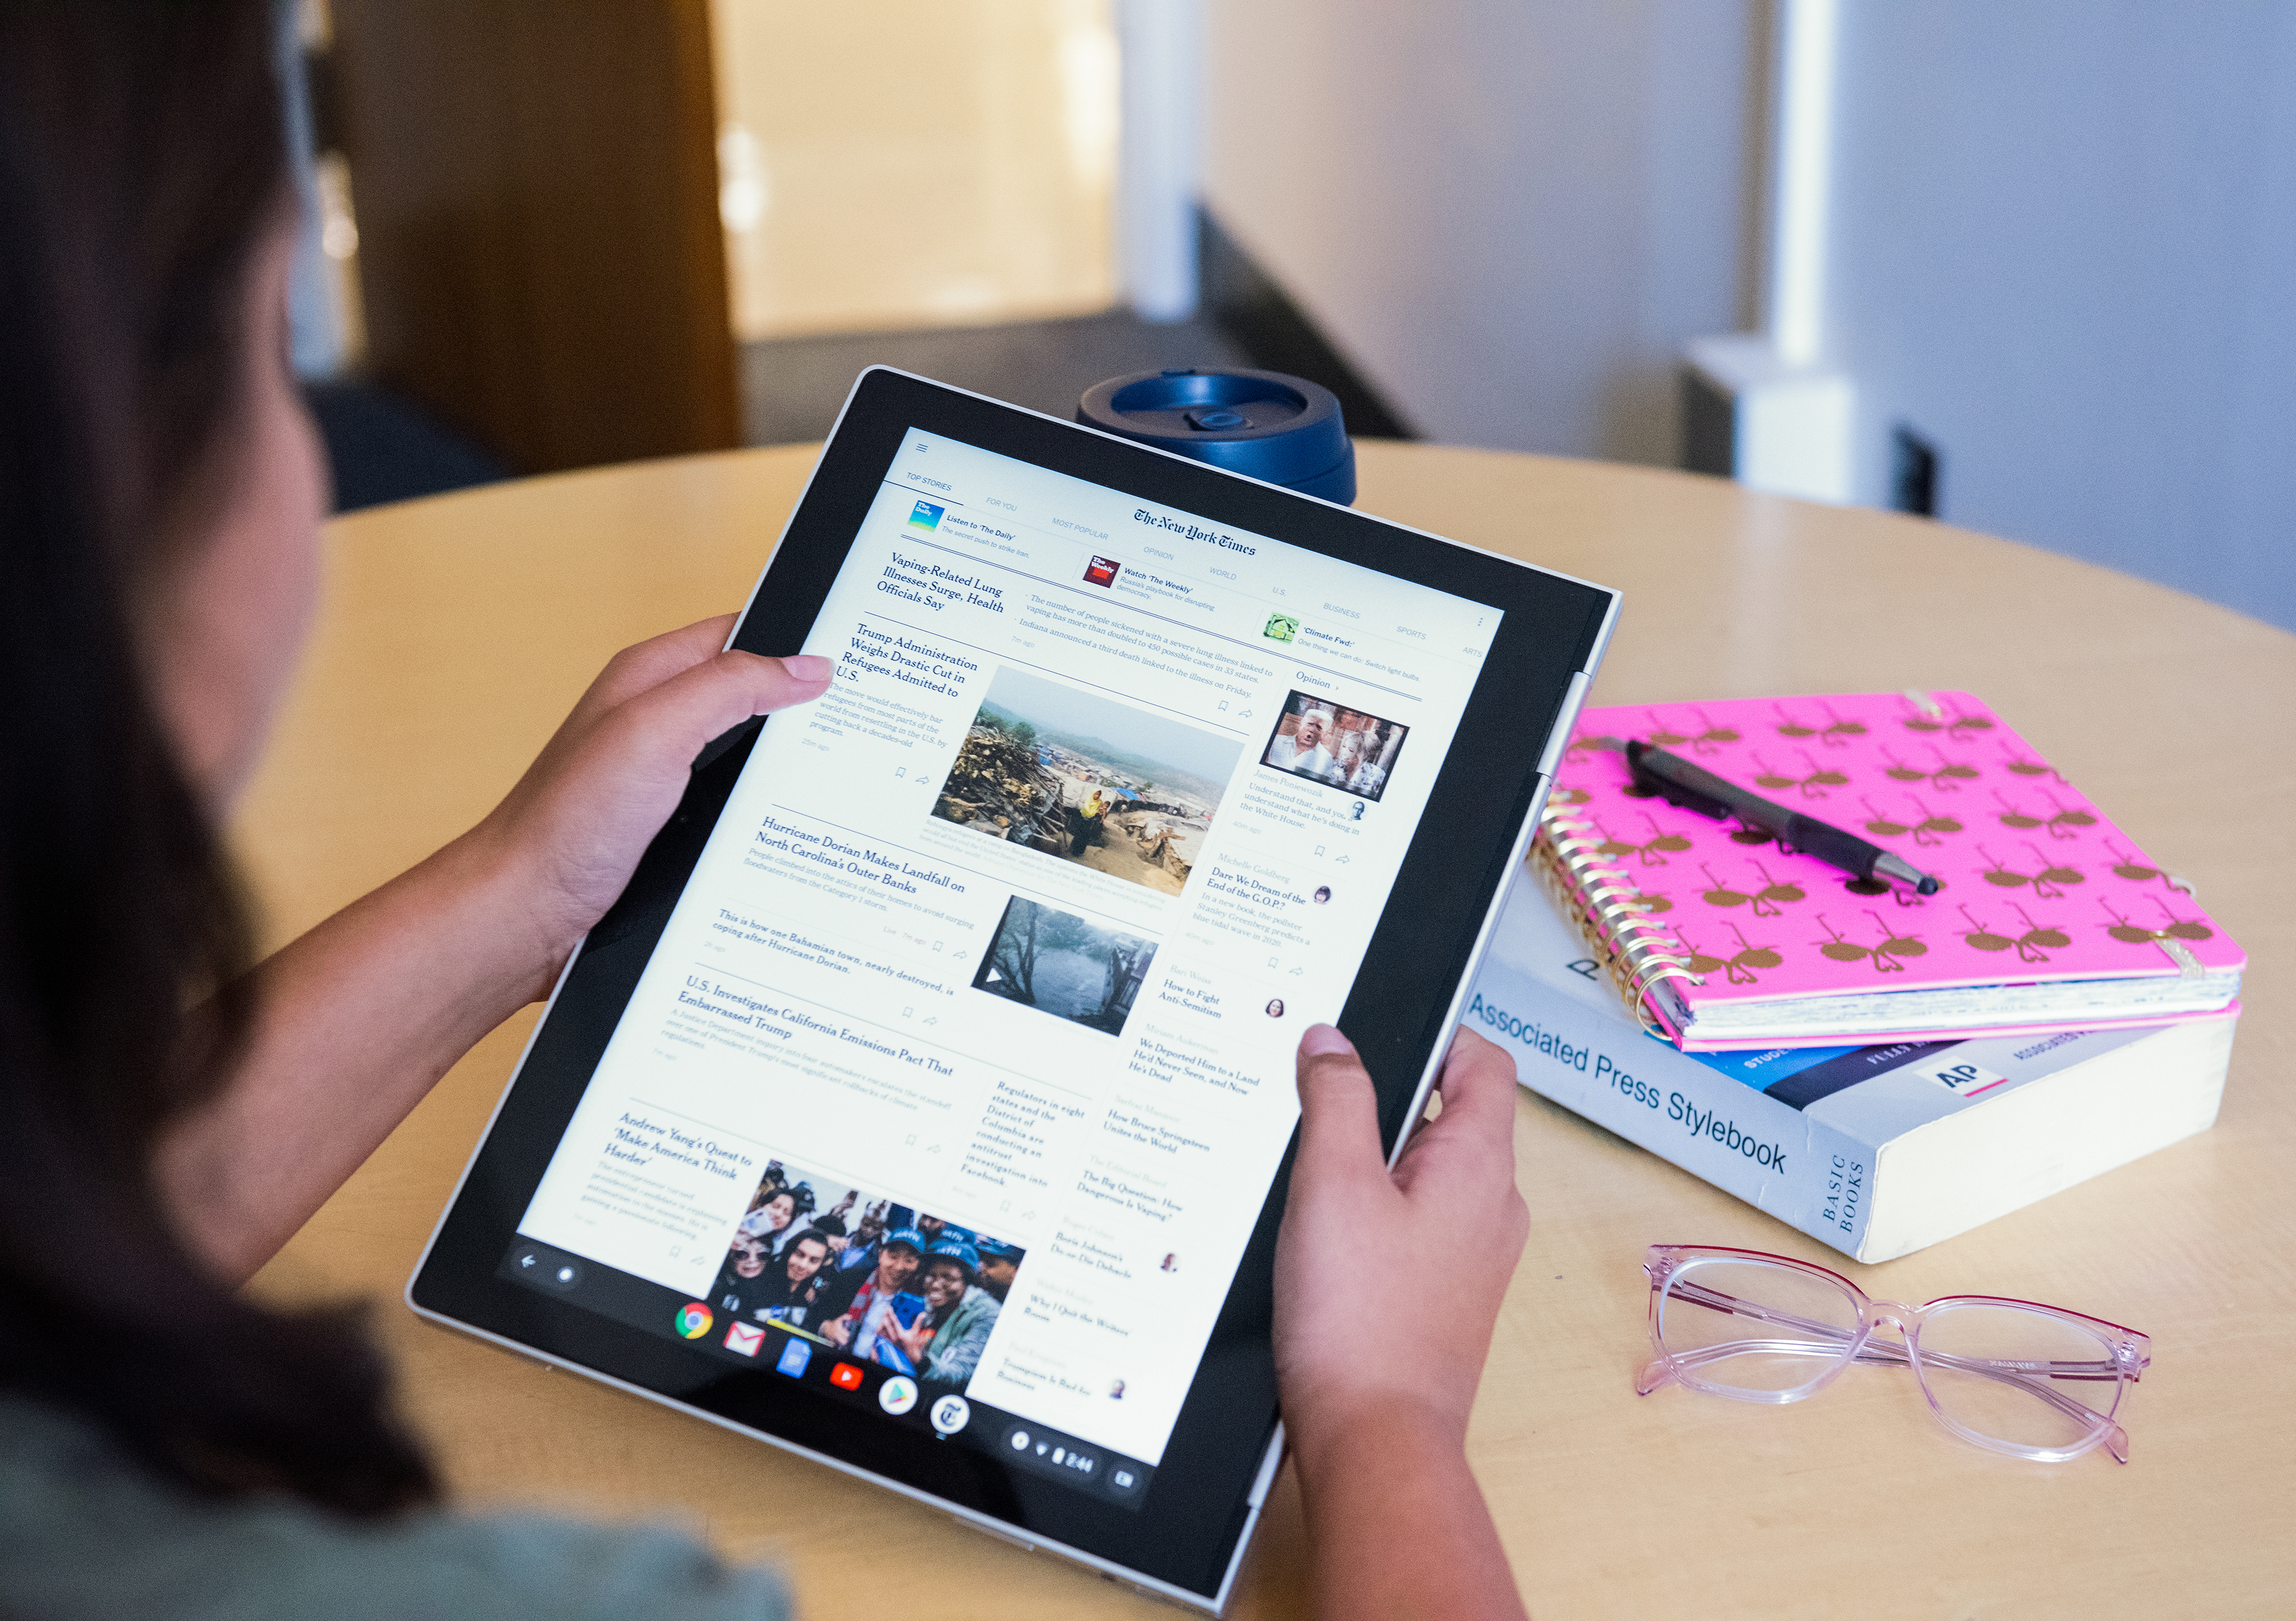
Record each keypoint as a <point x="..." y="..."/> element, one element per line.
<point x="743" y="1337"/>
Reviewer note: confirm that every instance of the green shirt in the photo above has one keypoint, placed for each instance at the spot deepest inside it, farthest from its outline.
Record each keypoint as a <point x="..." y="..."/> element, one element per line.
<point x="85" y="1531"/>
<point x="956" y="1345"/>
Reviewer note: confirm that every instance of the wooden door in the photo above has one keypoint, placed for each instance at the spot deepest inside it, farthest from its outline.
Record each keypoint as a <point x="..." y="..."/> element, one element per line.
<point x="541" y="256"/>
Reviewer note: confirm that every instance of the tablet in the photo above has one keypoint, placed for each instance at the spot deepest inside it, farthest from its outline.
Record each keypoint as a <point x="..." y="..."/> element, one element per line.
<point x="924" y="1104"/>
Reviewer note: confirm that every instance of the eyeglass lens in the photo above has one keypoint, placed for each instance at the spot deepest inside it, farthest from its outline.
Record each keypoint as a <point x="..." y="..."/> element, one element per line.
<point x="2029" y="1378"/>
<point x="1739" y="1327"/>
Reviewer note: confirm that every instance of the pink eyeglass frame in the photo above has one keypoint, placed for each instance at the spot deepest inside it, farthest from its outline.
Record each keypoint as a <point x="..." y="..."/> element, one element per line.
<point x="2131" y="1351"/>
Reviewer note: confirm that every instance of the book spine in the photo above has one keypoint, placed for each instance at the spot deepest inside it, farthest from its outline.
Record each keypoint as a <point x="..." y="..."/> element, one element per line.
<point x="1806" y="1173"/>
<point x="1609" y="912"/>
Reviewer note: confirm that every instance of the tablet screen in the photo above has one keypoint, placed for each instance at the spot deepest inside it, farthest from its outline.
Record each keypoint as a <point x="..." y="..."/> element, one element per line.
<point x="960" y="1073"/>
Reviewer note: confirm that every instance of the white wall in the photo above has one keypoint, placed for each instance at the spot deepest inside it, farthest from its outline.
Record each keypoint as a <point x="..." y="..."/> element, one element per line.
<point x="2066" y="253"/>
<point x="1507" y="216"/>
<point x="2063" y="240"/>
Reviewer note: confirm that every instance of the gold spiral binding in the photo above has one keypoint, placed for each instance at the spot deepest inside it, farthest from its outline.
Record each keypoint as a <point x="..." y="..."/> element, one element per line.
<point x="1606" y="908"/>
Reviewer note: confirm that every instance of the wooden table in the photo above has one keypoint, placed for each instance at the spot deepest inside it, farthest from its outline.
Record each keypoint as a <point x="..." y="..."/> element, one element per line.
<point x="458" y="630"/>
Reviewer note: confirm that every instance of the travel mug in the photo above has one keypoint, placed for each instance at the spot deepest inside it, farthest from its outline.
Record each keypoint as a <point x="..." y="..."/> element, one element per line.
<point x="1285" y="429"/>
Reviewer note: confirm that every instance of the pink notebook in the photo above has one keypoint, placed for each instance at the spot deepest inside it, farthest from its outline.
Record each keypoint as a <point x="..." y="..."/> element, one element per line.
<point x="2049" y="918"/>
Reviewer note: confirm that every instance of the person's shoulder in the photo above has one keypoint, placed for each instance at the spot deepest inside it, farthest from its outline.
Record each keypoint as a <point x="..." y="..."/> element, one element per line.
<point x="73" y="1503"/>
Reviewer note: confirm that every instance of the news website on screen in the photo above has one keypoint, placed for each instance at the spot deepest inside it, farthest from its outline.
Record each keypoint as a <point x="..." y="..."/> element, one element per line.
<point x="968" y="1049"/>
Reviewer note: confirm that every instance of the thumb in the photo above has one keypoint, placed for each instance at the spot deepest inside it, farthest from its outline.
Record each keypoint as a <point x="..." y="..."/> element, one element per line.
<point x="1339" y="1110"/>
<point x="670" y="722"/>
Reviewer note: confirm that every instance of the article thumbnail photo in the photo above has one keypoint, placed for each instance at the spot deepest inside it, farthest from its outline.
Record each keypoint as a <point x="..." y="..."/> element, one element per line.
<point x="1059" y="963"/>
<point x="1331" y="743"/>
<point x="878" y="1280"/>
<point x="1038" y="767"/>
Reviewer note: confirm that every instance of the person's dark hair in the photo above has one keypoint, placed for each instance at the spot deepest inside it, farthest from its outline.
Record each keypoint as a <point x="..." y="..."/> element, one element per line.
<point x="142" y="165"/>
<point x="807" y="1236"/>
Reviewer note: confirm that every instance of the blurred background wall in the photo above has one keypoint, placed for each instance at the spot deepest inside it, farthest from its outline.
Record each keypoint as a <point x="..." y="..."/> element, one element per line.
<point x="2053" y="245"/>
<point x="2061" y="245"/>
<point x="1509" y="214"/>
<point x="2066" y="253"/>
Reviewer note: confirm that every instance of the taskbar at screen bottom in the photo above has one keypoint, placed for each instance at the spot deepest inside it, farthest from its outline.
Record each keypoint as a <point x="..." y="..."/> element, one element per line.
<point x="774" y="1349"/>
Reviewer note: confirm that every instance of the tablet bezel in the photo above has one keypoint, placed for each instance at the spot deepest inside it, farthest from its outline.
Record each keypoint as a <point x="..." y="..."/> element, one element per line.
<point x="1184" y="1540"/>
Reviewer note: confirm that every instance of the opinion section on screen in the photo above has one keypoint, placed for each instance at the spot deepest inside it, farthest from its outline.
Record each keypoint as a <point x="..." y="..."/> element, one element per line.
<point x="1065" y="965"/>
<point x="1329" y="744"/>
<point x="854" y="1269"/>
<point x="1038" y="769"/>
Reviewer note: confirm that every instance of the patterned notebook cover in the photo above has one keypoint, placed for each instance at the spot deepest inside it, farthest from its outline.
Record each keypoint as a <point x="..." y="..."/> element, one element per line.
<point x="2038" y="885"/>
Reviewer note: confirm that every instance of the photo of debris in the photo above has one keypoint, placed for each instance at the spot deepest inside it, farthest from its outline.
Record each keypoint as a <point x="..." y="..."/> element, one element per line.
<point x="1037" y="770"/>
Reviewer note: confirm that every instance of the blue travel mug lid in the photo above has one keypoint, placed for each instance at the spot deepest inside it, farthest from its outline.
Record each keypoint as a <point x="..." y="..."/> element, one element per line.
<point x="1282" y="429"/>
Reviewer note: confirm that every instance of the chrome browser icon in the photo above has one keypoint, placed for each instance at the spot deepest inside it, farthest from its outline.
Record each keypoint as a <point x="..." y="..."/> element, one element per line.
<point x="693" y="1319"/>
<point x="925" y="515"/>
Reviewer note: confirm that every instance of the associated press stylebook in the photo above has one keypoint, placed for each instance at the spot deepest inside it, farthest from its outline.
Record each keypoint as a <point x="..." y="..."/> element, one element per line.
<point x="1877" y="1150"/>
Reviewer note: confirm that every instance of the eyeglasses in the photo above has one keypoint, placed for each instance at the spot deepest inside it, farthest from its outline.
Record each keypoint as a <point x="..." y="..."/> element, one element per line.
<point x="2033" y="1381"/>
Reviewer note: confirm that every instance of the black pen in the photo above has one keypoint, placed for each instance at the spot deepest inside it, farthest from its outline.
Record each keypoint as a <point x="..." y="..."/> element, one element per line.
<point x="1693" y="788"/>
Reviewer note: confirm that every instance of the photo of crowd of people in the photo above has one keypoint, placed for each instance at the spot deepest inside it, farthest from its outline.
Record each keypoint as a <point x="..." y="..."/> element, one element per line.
<point x="1340" y="747"/>
<point x="880" y="1282"/>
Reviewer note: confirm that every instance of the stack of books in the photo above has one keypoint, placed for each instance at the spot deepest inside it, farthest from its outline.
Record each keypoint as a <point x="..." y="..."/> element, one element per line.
<point x="1877" y="1067"/>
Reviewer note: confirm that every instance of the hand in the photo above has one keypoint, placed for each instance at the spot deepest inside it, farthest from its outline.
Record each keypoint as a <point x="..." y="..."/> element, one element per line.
<point x="913" y="1340"/>
<point x="355" y="1020"/>
<point x="571" y="833"/>
<point x="1443" y="1232"/>
<point x="1375" y="1403"/>
<point x="836" y="1332"/>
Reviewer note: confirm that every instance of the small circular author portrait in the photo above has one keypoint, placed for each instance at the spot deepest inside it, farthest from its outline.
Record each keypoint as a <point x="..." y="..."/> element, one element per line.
<point x="1274" y="1007"/>
<point x="1116" y="1390"/>
<point x="1323" y="893"/>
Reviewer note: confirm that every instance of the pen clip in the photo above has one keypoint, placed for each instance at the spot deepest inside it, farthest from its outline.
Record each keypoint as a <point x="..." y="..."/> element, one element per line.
<point x="1675" y="794"/>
